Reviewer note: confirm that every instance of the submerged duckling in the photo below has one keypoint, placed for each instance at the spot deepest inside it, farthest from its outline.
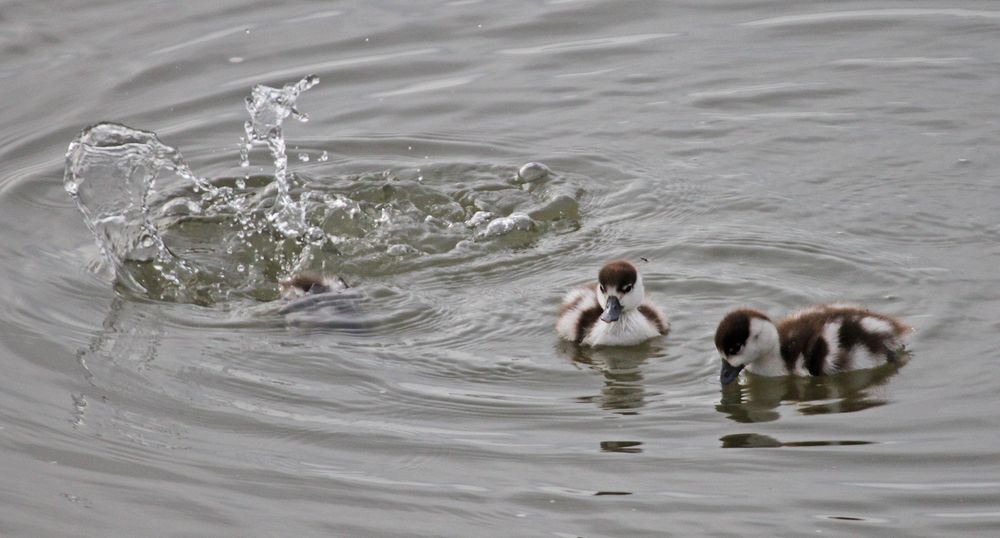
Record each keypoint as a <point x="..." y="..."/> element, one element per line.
<point x="822" y="340"/>
<point x="304" y="284"/>
<point x="312" y="300"/>
<point x="612" y="311"/>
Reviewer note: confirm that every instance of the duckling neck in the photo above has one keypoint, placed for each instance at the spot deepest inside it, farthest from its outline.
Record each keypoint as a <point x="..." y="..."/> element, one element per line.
<point x="631" y="328"/>
<point x="769" y="364"/>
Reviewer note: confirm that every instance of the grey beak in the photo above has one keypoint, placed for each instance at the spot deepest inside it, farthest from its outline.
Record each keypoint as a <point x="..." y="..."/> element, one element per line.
<point x="729" y="373"/>
<point x="613" y="311"/>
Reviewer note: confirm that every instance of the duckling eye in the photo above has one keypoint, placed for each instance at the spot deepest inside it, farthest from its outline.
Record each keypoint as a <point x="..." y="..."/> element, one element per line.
<point x="627" y="288"/>
<point x="736" y="349"/>
<point x="603" y="289"/>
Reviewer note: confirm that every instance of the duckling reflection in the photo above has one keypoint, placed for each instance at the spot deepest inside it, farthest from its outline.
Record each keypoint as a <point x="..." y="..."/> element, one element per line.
<point x="757" y="440"/>
<point x="759" y="399"/>
<point x="624" y="391"/>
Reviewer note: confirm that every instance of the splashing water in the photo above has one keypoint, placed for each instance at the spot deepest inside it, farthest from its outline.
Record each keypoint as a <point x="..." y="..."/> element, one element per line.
<point x="172" y="235"/>
<point x="111" y="172"/>
<point x="268" y="108"/>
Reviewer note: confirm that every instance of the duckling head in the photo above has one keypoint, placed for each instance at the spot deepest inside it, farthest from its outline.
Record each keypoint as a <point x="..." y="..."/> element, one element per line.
<point x="304" y="284"/>
<point x="619" y="289"/>
<point x="744" y="336"/>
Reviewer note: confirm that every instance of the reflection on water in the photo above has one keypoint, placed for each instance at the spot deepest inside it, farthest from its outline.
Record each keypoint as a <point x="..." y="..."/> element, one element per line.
<point x="624" y="391"/>
<point x="756" y="440"/>
<point x="759" y="398"/>
<point x="625" y="447"/>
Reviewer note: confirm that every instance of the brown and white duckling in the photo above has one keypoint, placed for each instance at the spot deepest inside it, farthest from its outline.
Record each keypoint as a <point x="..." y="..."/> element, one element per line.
<point x="304" y="284"/>
<point x="612" y="311"/>
<point x="822" y="340"/>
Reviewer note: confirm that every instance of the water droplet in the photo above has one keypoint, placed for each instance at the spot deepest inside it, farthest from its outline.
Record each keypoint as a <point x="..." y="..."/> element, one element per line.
<point x="236" y="60"/>
<point x="304" y="157"/>
<point x="324" y="157"/>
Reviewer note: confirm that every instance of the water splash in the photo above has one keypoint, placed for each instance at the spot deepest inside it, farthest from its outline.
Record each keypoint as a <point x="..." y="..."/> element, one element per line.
<point x="111" y="173"/>
<point x="173" y="235"/>
<point x="268" y="108"/>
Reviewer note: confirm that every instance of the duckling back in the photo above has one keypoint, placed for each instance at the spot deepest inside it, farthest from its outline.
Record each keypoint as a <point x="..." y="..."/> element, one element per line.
<point x="838" y="338"/>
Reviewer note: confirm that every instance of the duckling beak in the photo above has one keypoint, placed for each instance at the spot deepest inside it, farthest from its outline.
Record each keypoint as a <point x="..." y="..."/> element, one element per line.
<point x="729" y="372"/>
<point x="613" y="311"/>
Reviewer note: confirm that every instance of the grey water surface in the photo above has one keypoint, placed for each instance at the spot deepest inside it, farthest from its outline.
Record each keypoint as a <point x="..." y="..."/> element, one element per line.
<point x="765" y="153"/>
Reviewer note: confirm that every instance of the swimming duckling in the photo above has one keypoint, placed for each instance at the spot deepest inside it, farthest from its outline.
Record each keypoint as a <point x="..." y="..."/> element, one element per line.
<point x="612" y="311"/>
<point x="304" y="284"/>
<point x="312" y="300"/>
<point x="822" y="340"/>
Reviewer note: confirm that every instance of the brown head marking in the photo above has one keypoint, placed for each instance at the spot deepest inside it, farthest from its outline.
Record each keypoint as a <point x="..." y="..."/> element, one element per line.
<point x="734" y="329"/>
<point x="310" y="283"/>
<point x="619" y="274"/>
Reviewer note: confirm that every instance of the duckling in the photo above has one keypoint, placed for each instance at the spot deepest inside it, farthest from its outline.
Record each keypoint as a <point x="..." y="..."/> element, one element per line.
<point x="326" y="301"/>
<point x="304" y="284"/>
<point x="612" y="311"/>
<point x="821" y="340"/>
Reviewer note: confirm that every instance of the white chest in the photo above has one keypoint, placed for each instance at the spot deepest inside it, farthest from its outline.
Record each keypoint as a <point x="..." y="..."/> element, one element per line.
<point x="631" y="328"/>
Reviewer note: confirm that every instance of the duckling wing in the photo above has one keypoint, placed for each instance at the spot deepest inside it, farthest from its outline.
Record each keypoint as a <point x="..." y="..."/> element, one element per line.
<point x="655" y="317"/>
<point x="578" y="313"/>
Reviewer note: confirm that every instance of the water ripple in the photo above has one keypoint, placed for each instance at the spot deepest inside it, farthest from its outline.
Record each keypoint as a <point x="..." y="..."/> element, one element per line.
<point x="869" y="14"/>
<point x="585" y="45"/>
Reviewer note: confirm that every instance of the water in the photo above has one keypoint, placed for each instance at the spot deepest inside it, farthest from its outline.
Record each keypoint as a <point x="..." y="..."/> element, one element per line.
<point x="772" y="154"/>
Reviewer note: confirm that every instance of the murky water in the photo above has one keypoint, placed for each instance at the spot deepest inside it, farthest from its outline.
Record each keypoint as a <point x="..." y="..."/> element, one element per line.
<point x="774" y="154"/>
